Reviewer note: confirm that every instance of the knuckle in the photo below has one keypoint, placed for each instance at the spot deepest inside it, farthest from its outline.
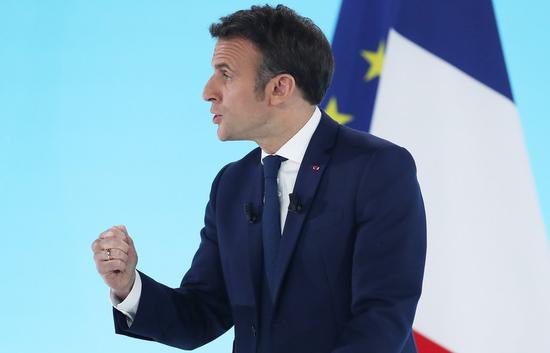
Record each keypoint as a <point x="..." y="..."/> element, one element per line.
<point x="97" y="244"/>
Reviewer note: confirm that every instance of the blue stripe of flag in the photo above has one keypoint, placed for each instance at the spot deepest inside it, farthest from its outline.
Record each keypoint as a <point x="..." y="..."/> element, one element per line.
<point x="462" y="32"/>
<point x="361" y="26"/>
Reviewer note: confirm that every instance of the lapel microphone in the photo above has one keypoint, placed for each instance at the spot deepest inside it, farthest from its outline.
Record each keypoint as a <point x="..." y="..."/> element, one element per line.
<point x="249" y="212"/>
<point x="295" y="205"/>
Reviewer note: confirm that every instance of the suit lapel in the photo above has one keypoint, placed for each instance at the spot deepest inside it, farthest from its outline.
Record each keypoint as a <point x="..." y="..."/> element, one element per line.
<point x="254" y="241"/>
<point x="311" y="171"/>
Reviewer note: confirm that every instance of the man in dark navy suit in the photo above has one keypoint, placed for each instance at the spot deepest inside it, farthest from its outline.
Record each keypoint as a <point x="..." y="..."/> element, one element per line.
<point x="313" y="242"/>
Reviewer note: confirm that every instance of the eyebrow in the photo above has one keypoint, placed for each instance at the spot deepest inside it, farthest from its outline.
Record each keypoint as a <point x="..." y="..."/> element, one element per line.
<point x="222" y="66"/>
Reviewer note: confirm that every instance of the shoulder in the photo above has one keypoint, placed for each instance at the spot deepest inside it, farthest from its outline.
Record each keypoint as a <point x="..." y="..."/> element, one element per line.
<point x="238" y="170"/>
<point x="369" y="148"/>
<point x="382" y="168"/>
<point x="354" y="144"/>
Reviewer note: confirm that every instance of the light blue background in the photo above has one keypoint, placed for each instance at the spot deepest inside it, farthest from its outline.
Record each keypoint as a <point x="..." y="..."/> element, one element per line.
<point x="102" y="123"/>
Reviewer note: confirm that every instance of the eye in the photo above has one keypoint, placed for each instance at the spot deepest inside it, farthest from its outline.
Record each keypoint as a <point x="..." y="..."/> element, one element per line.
<point x="225" y="75"/>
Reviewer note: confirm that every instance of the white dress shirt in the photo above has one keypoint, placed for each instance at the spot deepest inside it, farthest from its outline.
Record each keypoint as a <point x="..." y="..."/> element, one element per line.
<point x="293" y="150"/>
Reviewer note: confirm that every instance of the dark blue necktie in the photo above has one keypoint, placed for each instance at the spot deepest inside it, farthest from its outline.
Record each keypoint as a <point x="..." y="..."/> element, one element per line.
<point x="271" y="217"/>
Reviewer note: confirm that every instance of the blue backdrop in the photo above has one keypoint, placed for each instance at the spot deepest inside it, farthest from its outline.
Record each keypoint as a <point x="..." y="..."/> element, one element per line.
<point x="102" y="123"/>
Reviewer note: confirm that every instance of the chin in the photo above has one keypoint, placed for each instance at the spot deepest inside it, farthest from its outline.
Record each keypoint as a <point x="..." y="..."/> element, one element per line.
<point x="222" y="136"/>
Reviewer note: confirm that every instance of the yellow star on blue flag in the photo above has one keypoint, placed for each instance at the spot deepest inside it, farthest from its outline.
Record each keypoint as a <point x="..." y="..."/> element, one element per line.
<point x="358" y="45"/>
<point x="332" y="111"/>
<point x="376" y="61"/>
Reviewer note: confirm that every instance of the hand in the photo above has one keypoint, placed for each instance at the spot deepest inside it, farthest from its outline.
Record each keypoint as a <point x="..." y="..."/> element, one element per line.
<point x="116" y="259"/>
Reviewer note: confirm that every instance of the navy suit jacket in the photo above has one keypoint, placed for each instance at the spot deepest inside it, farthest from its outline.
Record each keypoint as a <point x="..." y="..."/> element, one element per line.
<point x="350" y="266"/>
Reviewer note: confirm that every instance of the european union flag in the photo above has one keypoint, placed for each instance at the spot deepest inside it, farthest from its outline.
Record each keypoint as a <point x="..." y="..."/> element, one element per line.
<point x="358" y="45"/>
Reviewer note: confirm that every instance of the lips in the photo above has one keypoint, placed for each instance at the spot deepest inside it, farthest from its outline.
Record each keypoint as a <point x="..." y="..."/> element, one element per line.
<point x="217" y="118"/>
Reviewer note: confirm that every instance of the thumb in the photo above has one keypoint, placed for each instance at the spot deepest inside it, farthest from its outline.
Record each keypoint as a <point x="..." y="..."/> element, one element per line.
<point x="128" y="238"/>
<point x="122" y="227"/>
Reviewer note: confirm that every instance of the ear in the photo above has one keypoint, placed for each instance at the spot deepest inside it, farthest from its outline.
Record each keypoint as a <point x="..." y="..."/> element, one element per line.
<point x="281" y="87"/>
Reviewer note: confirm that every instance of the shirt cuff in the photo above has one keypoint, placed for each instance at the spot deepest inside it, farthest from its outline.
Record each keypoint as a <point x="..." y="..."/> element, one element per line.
<point x="129" y="306"/>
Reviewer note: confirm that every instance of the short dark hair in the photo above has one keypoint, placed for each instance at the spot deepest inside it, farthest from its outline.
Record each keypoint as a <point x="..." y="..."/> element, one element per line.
<point x="289" y="44"/>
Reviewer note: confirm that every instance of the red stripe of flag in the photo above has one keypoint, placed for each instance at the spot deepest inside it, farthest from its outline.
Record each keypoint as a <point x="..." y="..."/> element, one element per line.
<point x="425" y="345"/>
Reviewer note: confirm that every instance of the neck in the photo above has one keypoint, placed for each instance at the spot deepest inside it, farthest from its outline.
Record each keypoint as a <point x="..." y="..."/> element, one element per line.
<point x="286" y="125"/>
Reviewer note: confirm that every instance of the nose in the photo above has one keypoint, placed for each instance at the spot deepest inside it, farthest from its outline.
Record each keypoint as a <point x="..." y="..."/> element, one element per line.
<point x="210" y="93"/>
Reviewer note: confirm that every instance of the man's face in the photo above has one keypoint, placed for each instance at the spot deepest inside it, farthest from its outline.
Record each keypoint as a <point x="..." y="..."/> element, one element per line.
<point x="237" y="109"/>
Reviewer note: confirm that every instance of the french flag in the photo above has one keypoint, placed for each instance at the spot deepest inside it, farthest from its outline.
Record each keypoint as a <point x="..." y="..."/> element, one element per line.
<point x="430" y="75"/>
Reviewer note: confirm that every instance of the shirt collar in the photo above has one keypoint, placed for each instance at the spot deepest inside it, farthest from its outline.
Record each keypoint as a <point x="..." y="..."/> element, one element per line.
<point x="295" y="148"/>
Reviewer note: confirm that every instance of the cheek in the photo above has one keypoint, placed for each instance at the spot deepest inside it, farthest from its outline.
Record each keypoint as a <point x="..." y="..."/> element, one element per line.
<point x="233" y="97"/>
<point x="241" y="98"/>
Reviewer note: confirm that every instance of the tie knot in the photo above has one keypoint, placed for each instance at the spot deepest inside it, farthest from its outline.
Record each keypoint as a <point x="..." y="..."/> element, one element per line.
<point x="272" y="163"/>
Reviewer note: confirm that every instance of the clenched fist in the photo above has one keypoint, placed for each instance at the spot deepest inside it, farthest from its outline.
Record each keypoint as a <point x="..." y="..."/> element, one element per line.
<point x="116" y="259"/>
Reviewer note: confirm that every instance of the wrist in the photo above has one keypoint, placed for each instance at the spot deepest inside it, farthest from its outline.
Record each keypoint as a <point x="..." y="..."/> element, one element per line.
<point x="122" y="293"/>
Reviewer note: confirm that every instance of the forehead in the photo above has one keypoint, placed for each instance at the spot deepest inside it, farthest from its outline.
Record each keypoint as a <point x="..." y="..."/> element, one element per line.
<point x="235" y="53"/>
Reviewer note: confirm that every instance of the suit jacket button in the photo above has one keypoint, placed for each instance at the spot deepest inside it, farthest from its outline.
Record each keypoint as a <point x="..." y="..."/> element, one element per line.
<point x="253" y="330"/>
